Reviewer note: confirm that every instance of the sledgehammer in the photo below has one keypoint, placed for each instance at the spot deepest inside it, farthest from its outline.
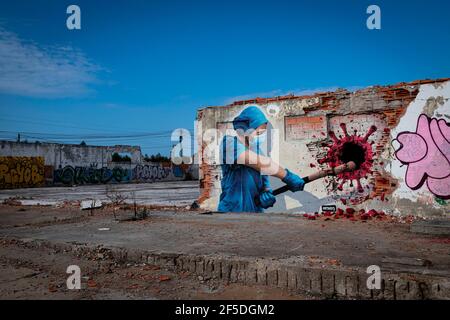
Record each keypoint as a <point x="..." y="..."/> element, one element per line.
<point x="349" y="166"/>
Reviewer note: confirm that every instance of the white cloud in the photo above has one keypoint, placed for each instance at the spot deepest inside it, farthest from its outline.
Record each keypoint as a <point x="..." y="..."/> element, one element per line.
<point x="33" y="70"/>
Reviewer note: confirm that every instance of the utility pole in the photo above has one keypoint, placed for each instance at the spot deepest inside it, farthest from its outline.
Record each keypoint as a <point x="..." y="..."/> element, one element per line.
<point x="18" y="137"/>
<point x="181" y="145"/>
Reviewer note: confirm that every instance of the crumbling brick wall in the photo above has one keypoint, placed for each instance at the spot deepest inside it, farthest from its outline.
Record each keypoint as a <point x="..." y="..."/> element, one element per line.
<point x="309" y="127"/>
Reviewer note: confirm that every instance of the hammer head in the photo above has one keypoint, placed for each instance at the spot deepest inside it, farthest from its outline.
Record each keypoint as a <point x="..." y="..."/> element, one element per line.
<point x="350" y="166"/>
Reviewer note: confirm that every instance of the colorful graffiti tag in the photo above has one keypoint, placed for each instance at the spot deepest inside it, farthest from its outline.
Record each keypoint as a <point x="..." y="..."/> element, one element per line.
<point x="149" y="173"/>
<point x="426" y="152"/>
<point x="90" y="175"/>
<point x="21" y="172"/>
<point x="70" y="175"/>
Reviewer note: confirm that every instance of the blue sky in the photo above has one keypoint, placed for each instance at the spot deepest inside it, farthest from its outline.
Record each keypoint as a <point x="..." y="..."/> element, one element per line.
<point x="147" y="66"/>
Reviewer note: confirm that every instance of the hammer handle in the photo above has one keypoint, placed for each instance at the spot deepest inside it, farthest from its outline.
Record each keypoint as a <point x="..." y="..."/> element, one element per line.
<point x="349" y="166"/>
<point x="286" y="188"/>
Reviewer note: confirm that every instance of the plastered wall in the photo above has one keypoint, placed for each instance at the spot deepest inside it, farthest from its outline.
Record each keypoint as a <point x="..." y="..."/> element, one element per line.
<point x="403" y="128"/>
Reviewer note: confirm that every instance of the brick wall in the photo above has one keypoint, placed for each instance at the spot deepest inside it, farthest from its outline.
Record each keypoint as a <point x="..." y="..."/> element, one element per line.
<point x="305" y="125"/>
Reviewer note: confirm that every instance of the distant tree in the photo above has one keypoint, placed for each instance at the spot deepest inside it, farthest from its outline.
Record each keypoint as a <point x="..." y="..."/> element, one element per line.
<point x="156" y="158"/>
<point x="83" y="143"/>
<point x="118" y="158"/>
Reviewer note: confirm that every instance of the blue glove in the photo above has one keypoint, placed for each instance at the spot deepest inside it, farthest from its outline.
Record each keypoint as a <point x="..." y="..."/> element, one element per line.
<point x="267" y="199"/>
<point x="293" y="181"/>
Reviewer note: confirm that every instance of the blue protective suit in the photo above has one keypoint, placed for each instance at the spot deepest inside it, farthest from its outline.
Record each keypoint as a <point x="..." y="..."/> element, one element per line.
<point x="240" y="183"/>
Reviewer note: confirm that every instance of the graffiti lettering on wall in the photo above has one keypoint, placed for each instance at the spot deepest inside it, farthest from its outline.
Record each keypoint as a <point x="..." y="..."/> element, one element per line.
<point x="426" y="152"/>
<point x="21" y="172"/>
<point x="91" y="175"/>
<point x="149" y="173"/>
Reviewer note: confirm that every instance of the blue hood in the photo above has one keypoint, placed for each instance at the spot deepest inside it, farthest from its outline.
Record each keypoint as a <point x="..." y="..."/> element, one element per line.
<point x="250" y="118"/>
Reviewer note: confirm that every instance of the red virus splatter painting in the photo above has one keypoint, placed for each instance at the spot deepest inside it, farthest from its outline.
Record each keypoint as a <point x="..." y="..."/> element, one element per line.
<point x="347" y="148"/>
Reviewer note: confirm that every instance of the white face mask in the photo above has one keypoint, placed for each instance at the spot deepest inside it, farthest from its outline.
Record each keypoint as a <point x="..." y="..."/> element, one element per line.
<point x="258" y="141"/>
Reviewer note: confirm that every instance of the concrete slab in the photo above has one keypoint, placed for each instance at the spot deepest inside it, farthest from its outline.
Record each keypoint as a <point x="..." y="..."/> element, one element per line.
<point x="90" y="204"/>
<point x="16" y="216"/>
<point x="270" y="236"/>
<point x="325" y="258"/>
<point x="432" y="227"/>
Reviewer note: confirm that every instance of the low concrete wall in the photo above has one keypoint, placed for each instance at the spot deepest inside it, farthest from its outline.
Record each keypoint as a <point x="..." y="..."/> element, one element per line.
<point x="290" y="273"/>
<point x="61" y="164"/>
<point x="61" y="155"/>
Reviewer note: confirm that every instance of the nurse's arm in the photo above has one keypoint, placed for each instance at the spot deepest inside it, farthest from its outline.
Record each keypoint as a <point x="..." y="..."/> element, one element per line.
<point x="263" y="164"/>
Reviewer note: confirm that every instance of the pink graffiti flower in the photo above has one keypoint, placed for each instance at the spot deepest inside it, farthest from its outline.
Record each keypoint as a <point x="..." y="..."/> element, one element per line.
<point x="427" y="154"/>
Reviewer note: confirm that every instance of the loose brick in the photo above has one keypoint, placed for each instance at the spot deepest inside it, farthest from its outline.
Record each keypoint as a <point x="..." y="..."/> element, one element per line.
<point x="316" y="281"/>
<point x="437" y="290"/>
<point x="389" y="288"/>
<point x="340" y="283"/>
<point x="151" y="259"/>
<point x="200" y="267"/>
<point x="352" y="285"/>
<point x="217" y="270"/>
<point x="282" y="277"/>
<point x="402" y="291"/>
<point x="304" y="282"/>
<point x="261" y="273"/>
<point x="272" y="277"/>
<point x="328" y="283"/>
<point x="226" y="270"/>
<point x="251" y="274"/>
<point x="292" y="278"/>
<point x="190" y="264"/>
<point x="234" y="272"/>
<point x="178" y="263"/>
<point x="209" y="268"/>
<point x="363" y="291"/>
<point x="243" y="265"/>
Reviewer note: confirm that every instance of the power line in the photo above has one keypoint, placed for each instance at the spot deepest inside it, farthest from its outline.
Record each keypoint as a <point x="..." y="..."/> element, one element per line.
<point x="96" y="138"/>
<point x="57" y="123"/>
<point x="60" y="136"/>
<point x="49" y="123"/>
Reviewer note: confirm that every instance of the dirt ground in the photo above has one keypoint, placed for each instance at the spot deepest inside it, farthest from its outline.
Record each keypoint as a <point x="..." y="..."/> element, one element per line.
<point x="40" y="274"/>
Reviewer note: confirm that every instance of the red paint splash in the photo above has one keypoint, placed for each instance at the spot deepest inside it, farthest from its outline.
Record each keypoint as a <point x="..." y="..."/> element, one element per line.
<point x="350" y="148"/>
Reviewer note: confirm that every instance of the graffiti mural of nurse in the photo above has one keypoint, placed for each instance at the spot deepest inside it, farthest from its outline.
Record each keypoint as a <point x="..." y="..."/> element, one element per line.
<point x="246" y="166"/>
<point x="426" y="152"/>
